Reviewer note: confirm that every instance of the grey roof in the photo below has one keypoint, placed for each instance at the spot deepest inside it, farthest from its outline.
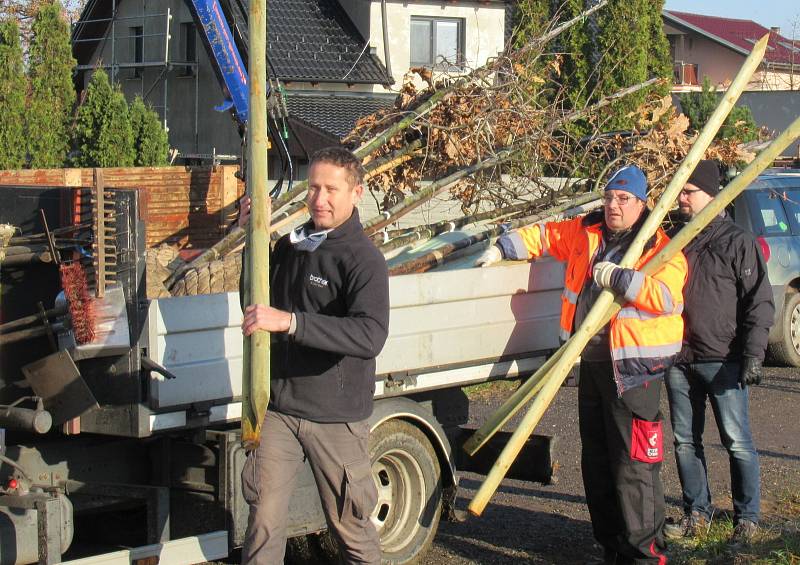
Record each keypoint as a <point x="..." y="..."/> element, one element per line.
<point x="311" y="40"/>
<point x="333" y="114"/>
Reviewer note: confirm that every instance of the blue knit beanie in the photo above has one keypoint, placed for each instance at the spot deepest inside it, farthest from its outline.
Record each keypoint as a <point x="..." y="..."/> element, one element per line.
<point x="630" y="179"/>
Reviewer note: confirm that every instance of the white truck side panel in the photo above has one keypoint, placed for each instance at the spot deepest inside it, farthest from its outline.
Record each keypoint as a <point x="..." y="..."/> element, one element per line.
<point x="438" y="321"/>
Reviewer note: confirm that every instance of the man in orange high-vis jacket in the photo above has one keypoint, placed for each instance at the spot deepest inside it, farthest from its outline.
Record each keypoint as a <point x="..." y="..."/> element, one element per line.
<point x="622" y="366"/>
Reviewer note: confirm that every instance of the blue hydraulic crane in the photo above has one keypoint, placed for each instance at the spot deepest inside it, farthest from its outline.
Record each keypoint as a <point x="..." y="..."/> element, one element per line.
<point x="234" y="79"/>
<point x="231" y="72"/>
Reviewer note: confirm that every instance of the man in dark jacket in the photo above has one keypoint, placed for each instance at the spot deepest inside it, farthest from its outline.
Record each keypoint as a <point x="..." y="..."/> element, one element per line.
<point x="728" y="314"/>
<point x="329" y="319"/>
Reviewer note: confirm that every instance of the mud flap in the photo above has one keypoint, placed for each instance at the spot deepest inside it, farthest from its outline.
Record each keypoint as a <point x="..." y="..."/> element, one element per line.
<point x="58" y="382"/>
<point x="536" y="462"/>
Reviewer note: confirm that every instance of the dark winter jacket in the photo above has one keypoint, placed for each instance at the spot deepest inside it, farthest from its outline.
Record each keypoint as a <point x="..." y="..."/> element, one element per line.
<point x="729" y="307"/>
<point x="339" y="293"/>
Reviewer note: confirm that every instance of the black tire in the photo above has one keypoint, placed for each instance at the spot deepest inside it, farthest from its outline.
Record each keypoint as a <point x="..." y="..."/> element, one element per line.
<point x="787" y="351"/>
<point x="407" y="473"/>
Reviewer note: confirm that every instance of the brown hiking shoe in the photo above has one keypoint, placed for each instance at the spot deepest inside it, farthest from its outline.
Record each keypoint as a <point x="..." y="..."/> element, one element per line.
<point x="744" y="532"/>
<point x="689" y="526"/>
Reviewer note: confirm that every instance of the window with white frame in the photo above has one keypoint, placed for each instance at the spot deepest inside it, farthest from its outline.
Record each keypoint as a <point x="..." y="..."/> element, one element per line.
<point x="437" y="42"/>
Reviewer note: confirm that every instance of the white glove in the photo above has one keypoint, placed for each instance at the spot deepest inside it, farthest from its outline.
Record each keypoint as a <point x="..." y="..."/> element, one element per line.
<point x="602" y="273"/>
<point x="489" y="257"/>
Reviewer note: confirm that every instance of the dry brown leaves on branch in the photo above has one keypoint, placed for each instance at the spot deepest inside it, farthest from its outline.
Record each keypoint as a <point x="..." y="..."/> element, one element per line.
<point x="470" y="123"/>
<point x="660" y="150"/>
<point x="514" y="107"/>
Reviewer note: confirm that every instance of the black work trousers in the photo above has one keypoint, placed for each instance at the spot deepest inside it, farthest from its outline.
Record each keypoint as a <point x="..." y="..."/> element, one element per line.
<point x="621" y="461"/>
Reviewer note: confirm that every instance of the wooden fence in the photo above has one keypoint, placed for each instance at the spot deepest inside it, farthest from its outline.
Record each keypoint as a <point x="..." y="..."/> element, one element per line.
<point x="189" y="207"/>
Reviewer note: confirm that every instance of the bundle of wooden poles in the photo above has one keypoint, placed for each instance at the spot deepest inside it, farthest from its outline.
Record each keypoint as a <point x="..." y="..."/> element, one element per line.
<point x="382" y="153"/>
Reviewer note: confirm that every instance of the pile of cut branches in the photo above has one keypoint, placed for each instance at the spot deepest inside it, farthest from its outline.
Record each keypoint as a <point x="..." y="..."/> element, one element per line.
<point x="660" y="146"/>
<point x="522" y="119"/>
<point x="469" y="123"/>
<point x="490" y="137"/>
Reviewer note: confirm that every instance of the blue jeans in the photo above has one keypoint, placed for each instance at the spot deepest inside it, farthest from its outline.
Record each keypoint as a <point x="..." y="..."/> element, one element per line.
<point x="688" y="386"/>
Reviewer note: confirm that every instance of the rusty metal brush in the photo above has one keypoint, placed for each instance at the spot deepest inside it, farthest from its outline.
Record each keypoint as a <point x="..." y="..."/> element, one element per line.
<point x="80" y="301"/>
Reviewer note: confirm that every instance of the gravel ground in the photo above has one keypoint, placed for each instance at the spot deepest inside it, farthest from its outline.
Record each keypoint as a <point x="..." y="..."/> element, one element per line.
<point x="531" y="523"/>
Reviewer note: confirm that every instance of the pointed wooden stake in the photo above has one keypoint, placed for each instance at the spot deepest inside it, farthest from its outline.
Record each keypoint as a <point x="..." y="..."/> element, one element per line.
<point x="255" y="374"/>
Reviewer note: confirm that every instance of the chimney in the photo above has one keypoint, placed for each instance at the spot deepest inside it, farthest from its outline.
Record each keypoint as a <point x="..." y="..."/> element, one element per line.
<point x="776" y="30"/>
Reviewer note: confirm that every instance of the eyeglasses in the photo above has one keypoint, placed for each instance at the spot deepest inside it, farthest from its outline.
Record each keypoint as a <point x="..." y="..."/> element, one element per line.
<point x="621" y="199"/>
<point x="688" y="191"/>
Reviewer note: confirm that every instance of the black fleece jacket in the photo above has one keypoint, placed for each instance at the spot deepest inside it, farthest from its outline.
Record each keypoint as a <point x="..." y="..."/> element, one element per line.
<point x="339" y="294"/>
<point x="728" y="299"/>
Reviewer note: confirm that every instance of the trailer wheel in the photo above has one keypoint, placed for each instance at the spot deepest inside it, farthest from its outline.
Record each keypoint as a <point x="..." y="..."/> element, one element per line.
<point x="787" y="350"/>
<point x="408" y="477"/>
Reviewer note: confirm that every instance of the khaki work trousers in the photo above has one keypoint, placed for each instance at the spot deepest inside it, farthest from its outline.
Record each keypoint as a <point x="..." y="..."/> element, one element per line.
<point x="339" y="459"/>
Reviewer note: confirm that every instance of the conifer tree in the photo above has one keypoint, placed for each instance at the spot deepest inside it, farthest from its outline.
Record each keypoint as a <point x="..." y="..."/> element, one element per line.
<point x="150" y="138"/>
<point x="529" y="19"/>
<point x="52" y="94"/>
<point x="659" y="60"/>
<point x="575" y="44"/>
<point x="13" y="87"/>
<point x="698" y="107"/>
<point x="103" y="132"/>
<point x="621" y="45"/>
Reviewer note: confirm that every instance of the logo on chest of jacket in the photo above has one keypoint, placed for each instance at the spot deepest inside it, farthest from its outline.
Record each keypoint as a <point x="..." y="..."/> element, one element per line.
<point x="317" y="281"/>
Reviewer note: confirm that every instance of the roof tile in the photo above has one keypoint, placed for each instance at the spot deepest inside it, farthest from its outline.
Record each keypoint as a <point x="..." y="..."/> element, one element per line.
<point x="308" y="40"/>
<point x="312" y="40"/>
<point x="743" y="34"/>
<point x="333" y="114"/>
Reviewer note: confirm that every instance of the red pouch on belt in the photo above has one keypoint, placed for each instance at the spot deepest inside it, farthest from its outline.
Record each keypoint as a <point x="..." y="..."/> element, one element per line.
<point x="647" y="443"/>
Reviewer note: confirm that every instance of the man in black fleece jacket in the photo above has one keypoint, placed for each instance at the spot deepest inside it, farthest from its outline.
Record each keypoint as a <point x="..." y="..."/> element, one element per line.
<point x="329" y="319"/>
<point x="728" y="314"/>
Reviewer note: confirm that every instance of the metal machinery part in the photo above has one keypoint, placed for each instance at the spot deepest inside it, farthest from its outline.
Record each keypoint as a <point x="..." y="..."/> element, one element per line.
<point x="36" y="517"/>
<point x="27" y="519"/>
<point x="36" y="420"/>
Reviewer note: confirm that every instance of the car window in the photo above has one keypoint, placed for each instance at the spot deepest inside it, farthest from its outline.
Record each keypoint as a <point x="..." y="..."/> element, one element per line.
<point x="768" y="215"/>
<point x="791" y="204"/>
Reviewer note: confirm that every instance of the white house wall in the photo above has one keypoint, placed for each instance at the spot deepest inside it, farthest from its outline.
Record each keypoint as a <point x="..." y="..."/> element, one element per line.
<point x="483" y="29"/>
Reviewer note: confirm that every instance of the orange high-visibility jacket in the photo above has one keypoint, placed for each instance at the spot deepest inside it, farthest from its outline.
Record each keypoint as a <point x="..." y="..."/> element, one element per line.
<point x="646" y="334"/>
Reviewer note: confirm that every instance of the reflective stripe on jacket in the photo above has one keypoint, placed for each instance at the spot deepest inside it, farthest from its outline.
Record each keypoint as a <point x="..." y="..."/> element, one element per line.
<point x="646" y="334"/>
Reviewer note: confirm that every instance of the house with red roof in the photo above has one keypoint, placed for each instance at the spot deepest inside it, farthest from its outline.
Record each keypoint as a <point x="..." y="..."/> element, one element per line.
<point x="716" y="47"/>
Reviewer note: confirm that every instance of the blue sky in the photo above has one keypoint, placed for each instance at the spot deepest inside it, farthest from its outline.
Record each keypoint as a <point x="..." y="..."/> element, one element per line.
<point x="782" y="13"/>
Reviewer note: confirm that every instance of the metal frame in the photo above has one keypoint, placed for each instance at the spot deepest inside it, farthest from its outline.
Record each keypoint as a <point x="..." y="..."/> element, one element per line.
<point x="155" y="498"/>
<point x="48" y="521"/>
<point x="162" y="62"/>
<point x="194" y="549"/>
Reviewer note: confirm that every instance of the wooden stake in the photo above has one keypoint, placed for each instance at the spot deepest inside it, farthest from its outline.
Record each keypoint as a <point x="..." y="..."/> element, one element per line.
<point x="417" y="199"/>
<point x="255" y="374"/>
<point x="446" y="253"/>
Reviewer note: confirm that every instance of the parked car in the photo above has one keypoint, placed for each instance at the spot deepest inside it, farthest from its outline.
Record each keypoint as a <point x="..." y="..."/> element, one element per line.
<point x="770" y="208"/>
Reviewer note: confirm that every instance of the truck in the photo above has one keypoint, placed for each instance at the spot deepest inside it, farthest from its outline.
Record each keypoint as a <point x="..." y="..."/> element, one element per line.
<point x="138" y="427"/>
<point x="130" y="439"/>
